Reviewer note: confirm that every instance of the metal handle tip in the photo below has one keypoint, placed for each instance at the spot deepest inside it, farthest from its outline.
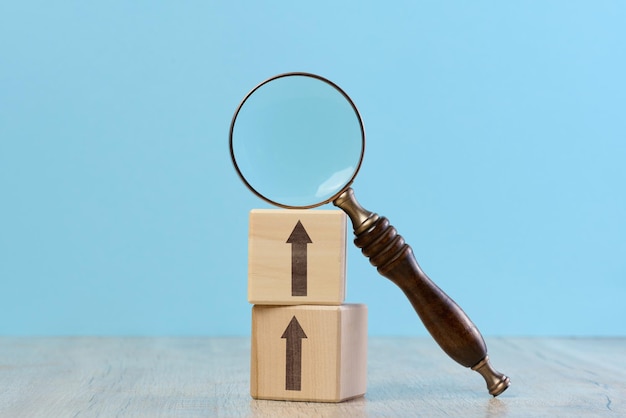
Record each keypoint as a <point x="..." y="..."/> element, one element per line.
<point x="496" y="381"/>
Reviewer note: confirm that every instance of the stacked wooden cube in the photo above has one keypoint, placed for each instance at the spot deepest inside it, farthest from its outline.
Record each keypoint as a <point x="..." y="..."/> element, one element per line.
<point x="307" y="345"/>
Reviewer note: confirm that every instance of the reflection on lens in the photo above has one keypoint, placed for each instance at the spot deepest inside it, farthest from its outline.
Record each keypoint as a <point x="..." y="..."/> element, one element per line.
<point x="297" y="140"/>
<point x="335" y="183"/>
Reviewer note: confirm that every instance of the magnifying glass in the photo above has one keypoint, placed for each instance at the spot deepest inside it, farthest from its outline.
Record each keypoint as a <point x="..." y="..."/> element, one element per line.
<point x="297" y="141"/>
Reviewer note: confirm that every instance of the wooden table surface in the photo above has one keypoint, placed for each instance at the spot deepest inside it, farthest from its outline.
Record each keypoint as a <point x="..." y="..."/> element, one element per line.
<point x="152" y="377"/>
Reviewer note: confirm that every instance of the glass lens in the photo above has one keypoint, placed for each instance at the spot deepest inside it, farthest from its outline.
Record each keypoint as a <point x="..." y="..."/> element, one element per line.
<point x="297" y="140"/>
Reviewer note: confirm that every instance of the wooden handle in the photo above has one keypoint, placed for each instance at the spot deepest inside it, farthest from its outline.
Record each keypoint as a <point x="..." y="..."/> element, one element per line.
<point x="451" y="328"/>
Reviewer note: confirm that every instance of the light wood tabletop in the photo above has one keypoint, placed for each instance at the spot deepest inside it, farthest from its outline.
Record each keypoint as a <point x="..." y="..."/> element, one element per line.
<point x="189" y="376"/>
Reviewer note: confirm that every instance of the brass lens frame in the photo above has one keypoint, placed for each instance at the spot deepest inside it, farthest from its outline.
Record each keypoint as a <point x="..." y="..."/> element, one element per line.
<point x="296" y="74"/>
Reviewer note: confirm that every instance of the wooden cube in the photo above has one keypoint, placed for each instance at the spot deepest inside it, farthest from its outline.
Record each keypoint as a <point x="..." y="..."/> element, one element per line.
<point x="296" y="257"/>
<point x="309" y="353"/>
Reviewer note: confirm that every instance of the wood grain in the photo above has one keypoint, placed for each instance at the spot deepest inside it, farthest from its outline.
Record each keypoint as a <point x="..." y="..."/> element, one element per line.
<point x="271" y="257"/>
<point x="329" y="363"/>
<point x="198" y="377"/>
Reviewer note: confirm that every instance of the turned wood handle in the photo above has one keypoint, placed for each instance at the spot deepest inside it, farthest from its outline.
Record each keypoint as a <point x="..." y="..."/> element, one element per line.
<point x="442" y="317"/>
<point x="451" y="328"/>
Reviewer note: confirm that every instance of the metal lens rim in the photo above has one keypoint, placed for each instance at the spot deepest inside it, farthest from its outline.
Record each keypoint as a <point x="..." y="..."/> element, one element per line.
<point x="232" y="153"/>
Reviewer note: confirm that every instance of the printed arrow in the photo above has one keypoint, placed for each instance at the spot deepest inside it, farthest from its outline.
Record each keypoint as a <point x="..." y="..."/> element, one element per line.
<point x="293" y="360"/>
<point x="298" y="240"/>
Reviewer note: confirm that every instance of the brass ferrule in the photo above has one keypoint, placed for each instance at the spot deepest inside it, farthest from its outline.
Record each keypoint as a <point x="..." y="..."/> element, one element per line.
<point x="361" y="218"/>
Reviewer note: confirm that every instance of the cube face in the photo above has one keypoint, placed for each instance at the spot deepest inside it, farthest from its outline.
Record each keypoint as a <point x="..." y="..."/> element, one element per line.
<point x="296" y="257"/>
<point x="309" y="353"/>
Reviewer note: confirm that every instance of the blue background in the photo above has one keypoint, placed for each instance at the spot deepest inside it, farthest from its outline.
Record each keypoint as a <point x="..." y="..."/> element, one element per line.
<point x="496" y="145"/>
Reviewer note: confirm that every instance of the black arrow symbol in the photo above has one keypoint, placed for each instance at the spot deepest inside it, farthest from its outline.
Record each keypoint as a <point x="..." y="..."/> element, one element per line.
<point x="298" y="240"/>
<point x="293" y="371"/>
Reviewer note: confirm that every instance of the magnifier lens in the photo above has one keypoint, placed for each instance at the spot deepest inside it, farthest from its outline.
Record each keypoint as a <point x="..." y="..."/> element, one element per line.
<point x="297" y="140"/>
